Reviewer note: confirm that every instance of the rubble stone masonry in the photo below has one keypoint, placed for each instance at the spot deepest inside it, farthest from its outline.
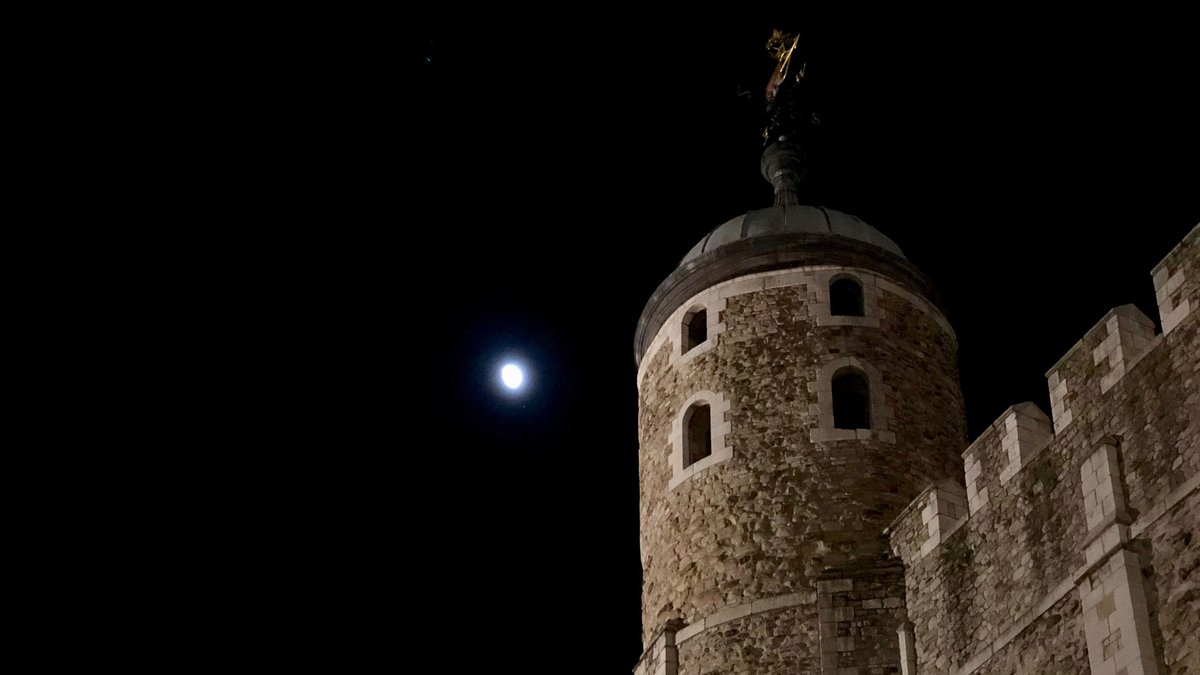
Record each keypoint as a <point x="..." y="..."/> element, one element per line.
<point x="741" y="555"/>
<point x="1060" y="541"/>
<point x="1080" y="551"/>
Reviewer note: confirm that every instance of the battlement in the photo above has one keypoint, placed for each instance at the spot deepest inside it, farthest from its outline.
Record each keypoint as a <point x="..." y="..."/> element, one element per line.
<point x="1055" y="510"/>
<point x="1176" y="285"/>
<point x="1099" y="360"/>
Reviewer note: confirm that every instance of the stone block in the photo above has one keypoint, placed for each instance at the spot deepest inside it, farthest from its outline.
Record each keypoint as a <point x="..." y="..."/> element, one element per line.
<point x="1026" y="431"/>
<point x="1175" y="283"/>
<point x="835" y="585"/>
<point x="689" y="631"/>
<point x="842" y="614"/>
<point x="777" y="602"/>
<point x="1060" y="408"/>
<point x="1130" y="333"/>
<point x="726" y="615"/>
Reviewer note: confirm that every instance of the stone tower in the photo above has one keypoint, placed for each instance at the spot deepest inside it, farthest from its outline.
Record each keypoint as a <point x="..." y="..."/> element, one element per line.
<point x="809" y="503"/>
<point x="798" y="388"/>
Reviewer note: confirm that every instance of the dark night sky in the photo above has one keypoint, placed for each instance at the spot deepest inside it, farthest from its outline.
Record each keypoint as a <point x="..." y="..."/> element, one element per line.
<point x="1036" y="167"/>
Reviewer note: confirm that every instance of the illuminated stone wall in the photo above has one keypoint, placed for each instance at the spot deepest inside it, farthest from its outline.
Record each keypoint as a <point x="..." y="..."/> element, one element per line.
<point x="1079" y="551"/>
<point x="773" y="559"/>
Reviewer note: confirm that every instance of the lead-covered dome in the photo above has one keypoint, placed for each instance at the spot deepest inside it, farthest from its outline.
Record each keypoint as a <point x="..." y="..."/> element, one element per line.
<point x="795" y="219"/>
<point x="780" y="237"/>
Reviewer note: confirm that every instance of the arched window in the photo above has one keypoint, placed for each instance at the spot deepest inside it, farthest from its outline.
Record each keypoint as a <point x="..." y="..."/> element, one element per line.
<point x="695" y="329"/>
<point x="846" y="297"/>
<point x="697" y="436"/>
<point x="851" y="400"/>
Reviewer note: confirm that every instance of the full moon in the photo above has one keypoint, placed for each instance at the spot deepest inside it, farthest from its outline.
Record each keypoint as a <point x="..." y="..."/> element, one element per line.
<point x="512" y="376"/>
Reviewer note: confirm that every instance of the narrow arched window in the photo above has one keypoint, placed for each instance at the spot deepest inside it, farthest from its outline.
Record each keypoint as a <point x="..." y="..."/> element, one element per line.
<point x="697" y="436"/>
<point x="851" y="400"/>
<point x="846" y="297"/>
<point x="695" y="329"/>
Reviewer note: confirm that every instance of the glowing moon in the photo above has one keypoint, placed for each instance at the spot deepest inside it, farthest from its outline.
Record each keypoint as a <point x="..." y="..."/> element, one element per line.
<point x="512" y="376"/>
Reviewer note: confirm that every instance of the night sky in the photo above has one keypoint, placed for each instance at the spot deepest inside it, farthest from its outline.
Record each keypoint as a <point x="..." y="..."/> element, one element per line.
<point x="552" y="170"/>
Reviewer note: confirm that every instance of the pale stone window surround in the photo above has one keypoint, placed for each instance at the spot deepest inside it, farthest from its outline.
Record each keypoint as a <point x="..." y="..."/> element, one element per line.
<point x="852" y="282"/>
<point x="712" y="306"/>
<point x="870" y="296"/>
<point x="697" y="433"/>
<point x="685" y="327"/>
<point x="881" y="414"/>
<point x="719" y="428"/>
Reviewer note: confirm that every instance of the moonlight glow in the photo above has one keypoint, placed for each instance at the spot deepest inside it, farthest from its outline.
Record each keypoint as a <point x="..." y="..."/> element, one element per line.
<point x="512" y="376"/>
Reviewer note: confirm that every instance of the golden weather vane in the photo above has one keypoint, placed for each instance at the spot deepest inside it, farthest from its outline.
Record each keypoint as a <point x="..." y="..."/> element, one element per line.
<point x="783" y="46"/>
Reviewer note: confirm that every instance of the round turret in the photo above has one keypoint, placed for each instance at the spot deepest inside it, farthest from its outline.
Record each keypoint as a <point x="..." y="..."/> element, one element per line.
<point x="798" y="386"/>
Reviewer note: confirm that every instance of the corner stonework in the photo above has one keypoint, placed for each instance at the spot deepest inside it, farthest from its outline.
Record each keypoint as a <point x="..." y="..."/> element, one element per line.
<point x="662" y="658"/>
<point x="1116" y="617"/>
<point x="852" y="608"/>
<point x="977" y="492"/>
<point x="1130" y="334"/>
<point x="1173" y="304"/>
<point x="944" y="511"/>
<point x="1060" y="406"/>
<point x="1026" y="431"/>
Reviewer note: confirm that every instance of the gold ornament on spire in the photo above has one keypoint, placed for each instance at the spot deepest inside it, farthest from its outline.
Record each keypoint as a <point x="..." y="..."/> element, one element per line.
<point x="782" y="45"/>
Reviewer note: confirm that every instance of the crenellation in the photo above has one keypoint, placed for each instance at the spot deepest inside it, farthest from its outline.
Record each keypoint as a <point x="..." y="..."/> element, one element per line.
<point x="1130" y="334"/>
<point x="1176" y="286"/>
<point x="1063" y="526"/>
<point x="910" y="530"/>
<point x="1026" y="431"/>
<point x="945" y="509"/>
<point x="1060" y="400"/>
<point x="1098" y="361"/>
<point x="977" y="491"/>
<point x="983" y="461"/>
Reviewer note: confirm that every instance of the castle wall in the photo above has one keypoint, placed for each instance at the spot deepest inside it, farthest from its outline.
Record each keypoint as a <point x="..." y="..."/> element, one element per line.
<point x="1175" y="592"/>
<point x="1077" y="550"/>
<point x="733" y="550"/>
<point x="768" y="643"/>
<point x="1052" y="644"/>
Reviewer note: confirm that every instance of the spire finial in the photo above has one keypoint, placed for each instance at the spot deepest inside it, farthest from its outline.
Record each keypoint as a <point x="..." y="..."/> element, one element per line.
<point x="788" y="116"/>
<point x="783" y="165"/>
